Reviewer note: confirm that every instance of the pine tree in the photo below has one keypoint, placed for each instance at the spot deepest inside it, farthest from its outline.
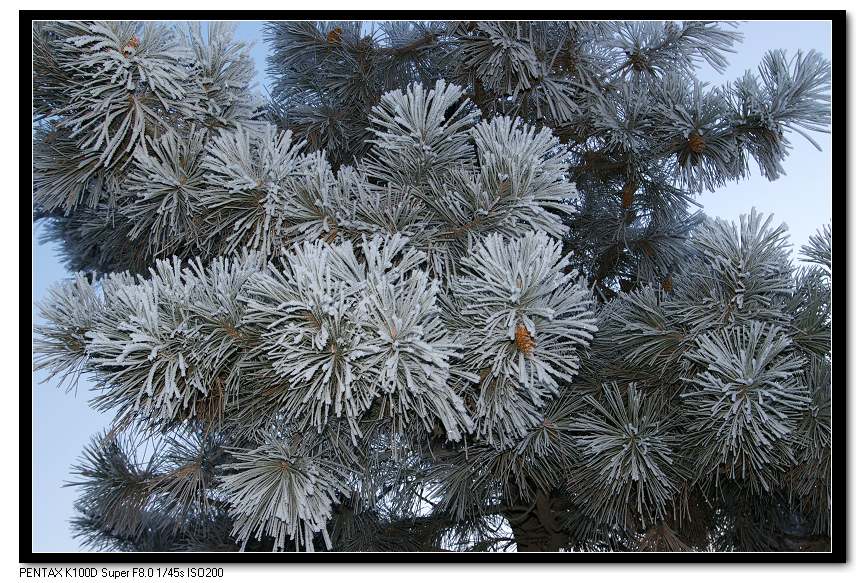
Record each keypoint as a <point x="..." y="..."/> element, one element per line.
<point x="445" y="291"/>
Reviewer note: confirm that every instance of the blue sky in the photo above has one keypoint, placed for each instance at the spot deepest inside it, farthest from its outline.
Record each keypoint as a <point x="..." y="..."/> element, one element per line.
<point x="63" y="423"/>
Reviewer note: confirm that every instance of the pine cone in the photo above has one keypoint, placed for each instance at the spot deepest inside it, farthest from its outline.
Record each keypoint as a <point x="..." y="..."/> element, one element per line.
<point x="639" y="61"/>
<point x="334" y="36"/>
<point x="523" y="339"/>
<point x="696" y="143"/>
<point x="628" y="191"/>
<point x="132" y="43"/>
<point x="667" y="284"/>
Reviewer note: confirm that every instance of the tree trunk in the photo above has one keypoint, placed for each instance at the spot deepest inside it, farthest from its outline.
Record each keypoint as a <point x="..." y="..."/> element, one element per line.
<point x="814" y="544"/>
<point x="536" y="529"/>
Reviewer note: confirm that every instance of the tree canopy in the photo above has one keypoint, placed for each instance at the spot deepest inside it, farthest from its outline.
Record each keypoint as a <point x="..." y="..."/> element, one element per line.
<point x="447" y="289"/>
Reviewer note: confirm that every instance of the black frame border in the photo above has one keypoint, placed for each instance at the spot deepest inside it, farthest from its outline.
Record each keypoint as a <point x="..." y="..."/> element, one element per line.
<point x="839" y="141"/>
